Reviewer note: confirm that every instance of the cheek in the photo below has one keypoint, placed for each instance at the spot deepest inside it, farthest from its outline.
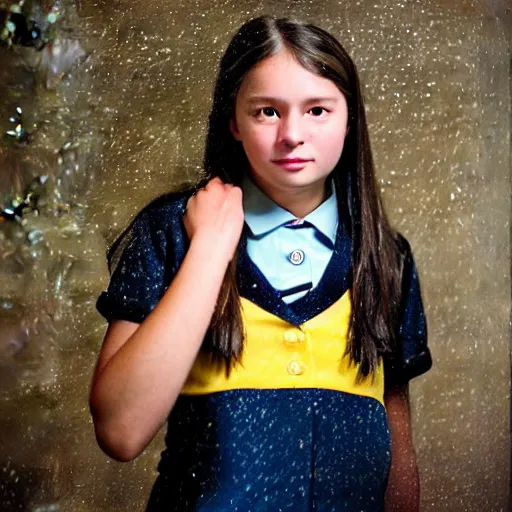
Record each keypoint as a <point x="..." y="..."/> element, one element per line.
<point x="258" y="141"/>
<point x="330" y="142"/>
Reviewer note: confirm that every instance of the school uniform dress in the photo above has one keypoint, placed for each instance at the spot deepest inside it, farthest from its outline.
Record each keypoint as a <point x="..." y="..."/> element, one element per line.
<point x="290" y="429"/>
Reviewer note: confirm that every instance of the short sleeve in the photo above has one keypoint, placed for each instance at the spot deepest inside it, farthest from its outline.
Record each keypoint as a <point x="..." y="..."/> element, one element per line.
<point x="136" y="264"/>
<point x="412" y="357"/>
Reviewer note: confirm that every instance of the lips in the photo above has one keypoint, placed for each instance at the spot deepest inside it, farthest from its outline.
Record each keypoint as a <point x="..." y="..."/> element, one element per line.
<point x="292" y="164"/>
<point x="292" y="161"/>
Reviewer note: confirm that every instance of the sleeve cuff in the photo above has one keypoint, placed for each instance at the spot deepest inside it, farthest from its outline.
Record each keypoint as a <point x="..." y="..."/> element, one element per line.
<point x="402" y="373"/>
<point x="112" y="311"/>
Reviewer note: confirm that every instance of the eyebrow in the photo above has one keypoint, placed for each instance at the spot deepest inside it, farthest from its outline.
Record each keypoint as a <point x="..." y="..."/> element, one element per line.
<point x="268" y="99"/>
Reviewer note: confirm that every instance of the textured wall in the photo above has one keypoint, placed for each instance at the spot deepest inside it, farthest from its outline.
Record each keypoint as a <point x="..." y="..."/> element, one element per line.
<point x="437" y="86"/>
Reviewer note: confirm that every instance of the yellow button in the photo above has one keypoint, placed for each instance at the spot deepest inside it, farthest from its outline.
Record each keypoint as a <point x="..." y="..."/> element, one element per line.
<point x="294" y="336"/>
<point x="295" y="367"/>
<point x="290" y="337"/>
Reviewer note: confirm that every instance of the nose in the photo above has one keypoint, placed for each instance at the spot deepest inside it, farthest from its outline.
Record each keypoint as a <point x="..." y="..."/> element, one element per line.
<point x="291" y="131"/>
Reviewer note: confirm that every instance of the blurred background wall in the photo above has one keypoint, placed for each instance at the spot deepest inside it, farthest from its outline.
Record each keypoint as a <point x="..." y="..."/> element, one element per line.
<point x="112" y="100"/>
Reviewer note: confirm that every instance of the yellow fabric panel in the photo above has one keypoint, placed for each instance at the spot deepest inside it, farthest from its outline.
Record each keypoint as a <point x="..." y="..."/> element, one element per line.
<point x="280" y="355"/>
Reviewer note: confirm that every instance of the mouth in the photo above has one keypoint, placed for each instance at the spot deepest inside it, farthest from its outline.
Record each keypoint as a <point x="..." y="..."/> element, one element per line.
<point x="292" y="160"/>
<point x="292" y="164"/>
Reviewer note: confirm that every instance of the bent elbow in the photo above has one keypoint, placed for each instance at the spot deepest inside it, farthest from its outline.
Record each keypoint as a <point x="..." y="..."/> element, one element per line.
<point x="117" y="444"/>
<point x="114" y="438"/>
<point x="121" y="452"/>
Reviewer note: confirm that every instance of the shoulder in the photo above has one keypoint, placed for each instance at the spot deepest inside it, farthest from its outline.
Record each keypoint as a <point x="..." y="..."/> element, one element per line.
<point x="408" y="264"/>
<point x="165" y="209"/>
<point x="144" y="259"/>
<point x="403" y="245"/>
<point x="158" y="225"/>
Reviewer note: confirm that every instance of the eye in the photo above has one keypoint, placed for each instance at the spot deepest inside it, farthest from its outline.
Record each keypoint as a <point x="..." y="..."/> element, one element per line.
<point x="318" y="111"/>
<point x="267" y="112"/>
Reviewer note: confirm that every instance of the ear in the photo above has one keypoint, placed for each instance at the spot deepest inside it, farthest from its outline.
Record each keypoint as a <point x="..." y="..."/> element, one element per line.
<point x="234" y="129"/>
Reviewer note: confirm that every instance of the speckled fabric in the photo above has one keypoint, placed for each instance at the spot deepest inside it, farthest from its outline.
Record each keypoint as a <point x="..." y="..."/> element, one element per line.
<point x="254" y="449"/>
<point x="274" y="450"/>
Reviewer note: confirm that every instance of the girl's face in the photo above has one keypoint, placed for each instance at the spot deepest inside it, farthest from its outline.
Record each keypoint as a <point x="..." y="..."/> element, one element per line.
<point x="292" y="124"/>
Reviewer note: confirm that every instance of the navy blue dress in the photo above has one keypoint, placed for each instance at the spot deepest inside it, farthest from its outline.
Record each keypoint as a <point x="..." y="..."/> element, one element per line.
<point x="300" y="450"/>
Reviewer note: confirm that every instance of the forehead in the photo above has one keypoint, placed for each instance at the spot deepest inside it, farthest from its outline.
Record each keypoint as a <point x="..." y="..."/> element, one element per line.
<point x="282" y="76"/>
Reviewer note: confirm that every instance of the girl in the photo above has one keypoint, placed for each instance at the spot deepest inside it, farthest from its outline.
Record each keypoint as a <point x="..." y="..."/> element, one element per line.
<point x="272" y="317"/>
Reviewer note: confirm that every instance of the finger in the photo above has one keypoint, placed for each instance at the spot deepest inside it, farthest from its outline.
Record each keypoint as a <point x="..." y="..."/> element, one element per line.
<point x="214" y="181"/>
<point x="236" y="191"/>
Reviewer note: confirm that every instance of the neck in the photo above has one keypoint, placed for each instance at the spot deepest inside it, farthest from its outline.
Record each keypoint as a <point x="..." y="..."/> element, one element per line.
<point x="298" y="201"/>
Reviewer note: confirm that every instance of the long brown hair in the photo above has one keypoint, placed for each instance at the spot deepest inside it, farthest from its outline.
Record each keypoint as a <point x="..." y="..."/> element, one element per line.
<point x="378" y="253"/>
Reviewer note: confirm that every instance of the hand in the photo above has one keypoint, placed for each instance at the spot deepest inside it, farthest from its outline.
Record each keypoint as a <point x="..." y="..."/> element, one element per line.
<point x="215" y="217"/>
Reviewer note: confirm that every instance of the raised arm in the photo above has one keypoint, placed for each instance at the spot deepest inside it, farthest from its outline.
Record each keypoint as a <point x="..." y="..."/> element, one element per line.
<point x="142" y="368"/>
